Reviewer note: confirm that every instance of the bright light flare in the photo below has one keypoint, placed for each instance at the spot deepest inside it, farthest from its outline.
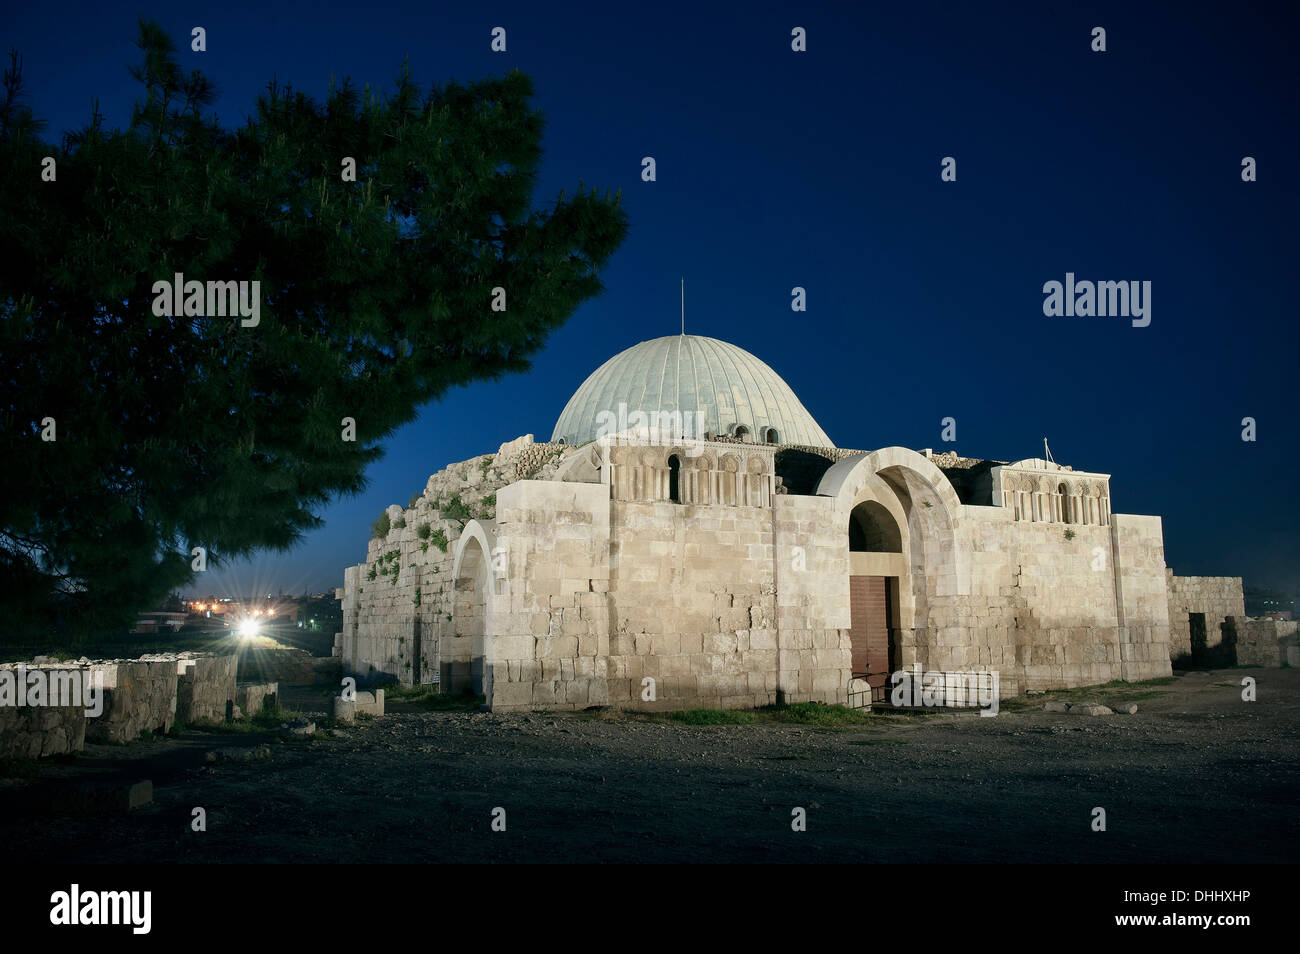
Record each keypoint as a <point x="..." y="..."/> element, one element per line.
<point x="248" y="628"/>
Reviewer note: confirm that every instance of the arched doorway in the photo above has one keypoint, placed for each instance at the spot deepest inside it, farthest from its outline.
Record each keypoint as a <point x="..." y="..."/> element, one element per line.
<point x="875" y="567"/>
<point x="931" y="568"/>
<point x="463" y="666"/>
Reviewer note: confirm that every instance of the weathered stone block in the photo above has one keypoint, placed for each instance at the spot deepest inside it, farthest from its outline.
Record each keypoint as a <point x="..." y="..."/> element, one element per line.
<point x="256" y="697"/>
<point x="1089" y="709"/>
<point x="101" y="798"/>
<point x="206" y="689"/>
<point x="143" y="700"/>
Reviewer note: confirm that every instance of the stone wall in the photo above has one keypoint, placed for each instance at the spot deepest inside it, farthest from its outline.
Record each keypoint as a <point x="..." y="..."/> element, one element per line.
<point x="252" y="698"/>
<point x="31" y="732"/>
<point x="1044" y="603"/>
<point x="397" y="606"/>
<point x="811" y="628"/>
<point x="551" y="640"/>
<point x="692" y="599"/>
<point x="1267" y="643"/>
<point x="1046" y="610"/>
<point x="581" y="591"/>
<point x="138" y="697"/>
<point x="1217" y="598"/>
<point x="605" y="595"/>
<point x="205" y="688"/>
<point x="712" y="602"/>
<point x="1138" y="553"/>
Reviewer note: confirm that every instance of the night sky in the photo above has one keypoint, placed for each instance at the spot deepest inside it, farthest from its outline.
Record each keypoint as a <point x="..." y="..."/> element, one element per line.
<point x="822" y="169"/>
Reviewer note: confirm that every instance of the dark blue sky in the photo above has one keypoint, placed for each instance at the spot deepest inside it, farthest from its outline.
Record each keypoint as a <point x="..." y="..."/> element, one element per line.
<point x="821" y="169"/>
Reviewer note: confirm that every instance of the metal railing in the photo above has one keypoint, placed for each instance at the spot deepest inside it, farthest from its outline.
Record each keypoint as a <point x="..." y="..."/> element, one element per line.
<point x="863" y="698"/>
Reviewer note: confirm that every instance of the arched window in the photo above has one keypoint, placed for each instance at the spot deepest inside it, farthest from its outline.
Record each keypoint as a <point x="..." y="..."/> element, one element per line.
<point x="675" y="479"/>
<point x="1064" y="491"/>
<point x="771" y="436"/>
<point x="741" y="432"/>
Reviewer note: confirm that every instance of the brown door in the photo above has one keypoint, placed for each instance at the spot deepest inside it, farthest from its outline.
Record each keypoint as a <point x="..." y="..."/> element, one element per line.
<point x="869" y="604"/>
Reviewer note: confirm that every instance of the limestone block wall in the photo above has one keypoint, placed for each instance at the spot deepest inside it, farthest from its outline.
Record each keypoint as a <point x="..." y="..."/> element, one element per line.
<point x="138" y="697"/>
<point x="603" y="595"/>
<point x="32" y="732"/>
<point x="1044" y="609"/>
<point x="575" y="593"/>
<point x="812" y="600"/>
<point x="1217" y="597"/>
<point x="1266" y="642"/>
<point x="550" y="623"/>
<point x="398" y="605"/>
<point x="402" y="591"/>
<point x="205" y="688"/>
<point x="693" y="605"/>
<point x="1040" y="608"/>
<point x="1141" y="593"/>
<point x="145" y="694"/>
<point x="253" y="698"/>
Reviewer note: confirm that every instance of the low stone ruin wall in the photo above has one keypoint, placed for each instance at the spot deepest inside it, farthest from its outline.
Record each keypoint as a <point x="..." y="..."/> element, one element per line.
<point x="138" y="697"/>
<point x="1270" y="643"/>
<point x="134" y="696"/>
<point x="1213" y="599"/>
<point x="34" y="732"/>
<point x="205" y="689"/>
<point x="256" y="697"/>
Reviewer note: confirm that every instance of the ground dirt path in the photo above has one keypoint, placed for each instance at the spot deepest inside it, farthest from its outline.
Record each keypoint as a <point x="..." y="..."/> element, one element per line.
<point x="1197" y="775"/>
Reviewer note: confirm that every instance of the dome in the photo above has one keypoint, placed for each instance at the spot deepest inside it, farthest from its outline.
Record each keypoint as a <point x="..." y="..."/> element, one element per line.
<point x="690" y="373"/>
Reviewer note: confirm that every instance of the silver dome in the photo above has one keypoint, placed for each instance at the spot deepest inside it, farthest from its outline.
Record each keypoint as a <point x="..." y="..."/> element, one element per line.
<point x="690" y="373"/>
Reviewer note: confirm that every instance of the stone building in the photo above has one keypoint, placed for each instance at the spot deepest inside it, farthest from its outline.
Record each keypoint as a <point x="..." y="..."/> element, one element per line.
<point x="690" y="537"/>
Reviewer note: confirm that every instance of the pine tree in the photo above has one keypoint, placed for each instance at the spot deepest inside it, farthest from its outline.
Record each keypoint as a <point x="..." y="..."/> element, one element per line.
<point x="181" y="431"/>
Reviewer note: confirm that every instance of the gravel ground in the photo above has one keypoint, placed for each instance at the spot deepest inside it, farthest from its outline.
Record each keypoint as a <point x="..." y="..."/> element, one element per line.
<point x="1197" y="775"/>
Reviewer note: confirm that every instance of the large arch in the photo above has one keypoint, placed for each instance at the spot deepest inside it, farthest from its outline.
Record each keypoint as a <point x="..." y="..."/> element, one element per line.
<point x="847" y="476"/>
<point x="927" y="510"/>
<point x="467" y="659"/>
